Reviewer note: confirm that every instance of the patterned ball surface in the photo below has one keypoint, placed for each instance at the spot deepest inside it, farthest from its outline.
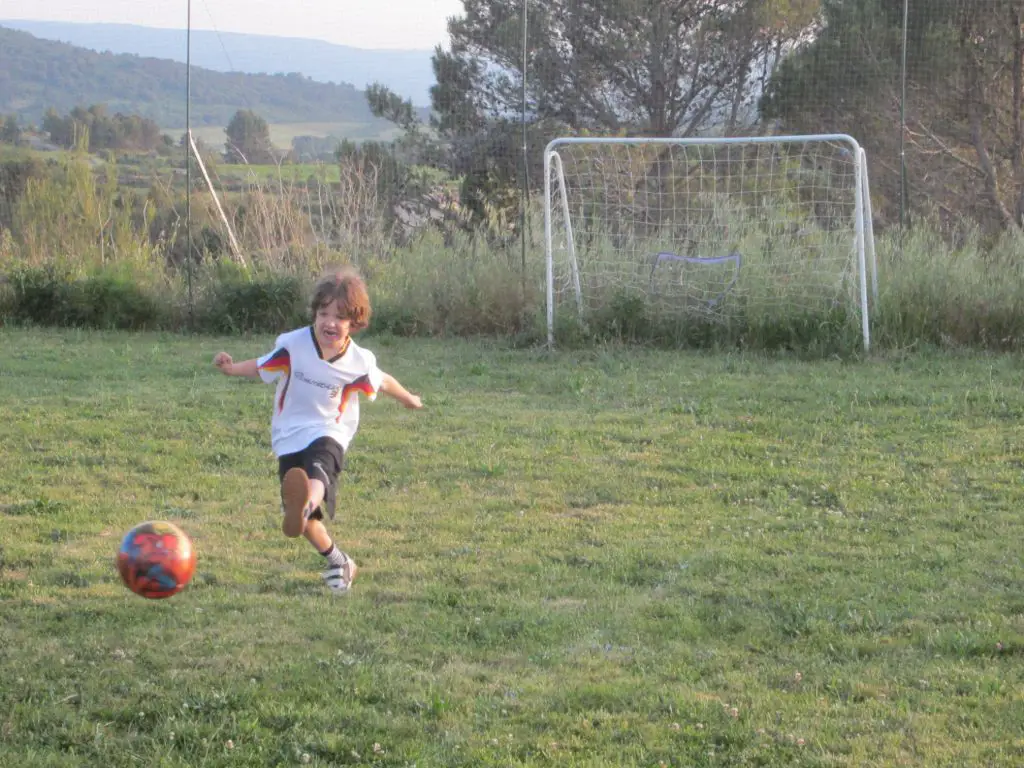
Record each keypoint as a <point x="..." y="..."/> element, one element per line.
<point x="156" y="559"/>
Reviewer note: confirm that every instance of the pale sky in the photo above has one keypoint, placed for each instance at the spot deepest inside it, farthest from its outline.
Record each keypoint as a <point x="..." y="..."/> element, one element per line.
<point x="359" y="23"/>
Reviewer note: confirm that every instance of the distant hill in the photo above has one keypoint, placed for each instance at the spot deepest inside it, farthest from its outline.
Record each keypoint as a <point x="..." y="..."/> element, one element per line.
<point x="408" y="73"/>
<point x="36" y="75"/>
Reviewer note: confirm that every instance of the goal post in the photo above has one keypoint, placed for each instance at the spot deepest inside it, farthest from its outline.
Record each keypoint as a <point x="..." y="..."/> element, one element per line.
<point x="747" y="229"/>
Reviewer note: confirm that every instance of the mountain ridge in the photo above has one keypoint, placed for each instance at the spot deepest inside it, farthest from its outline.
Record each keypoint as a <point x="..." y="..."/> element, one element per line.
<point x="37" y="75"/>
<point x="407" y="72"/>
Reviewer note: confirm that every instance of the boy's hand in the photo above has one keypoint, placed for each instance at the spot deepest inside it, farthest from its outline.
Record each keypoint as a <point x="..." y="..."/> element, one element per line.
<point x="223" y="361"/>
<point x="413" y="402"/>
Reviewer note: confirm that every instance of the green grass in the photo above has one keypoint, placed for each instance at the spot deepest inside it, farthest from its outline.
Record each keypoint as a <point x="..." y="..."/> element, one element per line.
<point x="597" y="558"/>
<point x="290" y="173"/>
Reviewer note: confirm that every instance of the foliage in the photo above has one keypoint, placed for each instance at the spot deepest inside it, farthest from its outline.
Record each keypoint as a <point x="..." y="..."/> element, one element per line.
<point x="384" y="192"/>
<point x="74" y="216"/>
<point x="626" y="67"/>
<point x="460" y="287"/>
<point x="964" y="145"/>
<point x="383" y="103"/>
<point x="837" y="67"/>
<point x="10" y="130"/>
<point x="928" y="288"/>
<point x="104" y="131"/>
<point x="210" y="157"/>
<point x="644" y="67"/>
<point x="238" y="303"/>
<point x="71" y="224"/>
<point x="164" y="226"/>
<point x="105" y="299"/>
<point x="15" y="175"/>
<point x="248" y="139"/>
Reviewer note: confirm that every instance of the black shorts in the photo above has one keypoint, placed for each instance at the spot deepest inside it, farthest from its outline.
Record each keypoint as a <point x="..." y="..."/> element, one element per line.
<point x="323" y="460"/>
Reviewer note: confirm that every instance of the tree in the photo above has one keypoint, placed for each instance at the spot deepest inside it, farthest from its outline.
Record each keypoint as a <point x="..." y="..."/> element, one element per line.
<point x="646" y="67"/>
<point x="104" y="131"/>
<point x="637" y="67"/>
<point x="965" y="95"/>
<point x="10" y="131"/>
<point x="987" y="84"/>
<point x="248" y="139"/>
<point x="61" y="130"/>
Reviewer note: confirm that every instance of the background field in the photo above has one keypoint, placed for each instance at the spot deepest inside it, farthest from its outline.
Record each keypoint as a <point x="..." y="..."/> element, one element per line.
<point x="281" y="134"/>
<point x="599" y="558"/>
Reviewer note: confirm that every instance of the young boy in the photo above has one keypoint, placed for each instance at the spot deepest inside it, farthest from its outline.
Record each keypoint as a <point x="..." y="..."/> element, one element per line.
<point x="319" y="372"/>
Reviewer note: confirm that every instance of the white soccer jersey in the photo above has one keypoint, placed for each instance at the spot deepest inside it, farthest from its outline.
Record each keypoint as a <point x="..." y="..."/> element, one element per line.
<point x="316" y="397"/>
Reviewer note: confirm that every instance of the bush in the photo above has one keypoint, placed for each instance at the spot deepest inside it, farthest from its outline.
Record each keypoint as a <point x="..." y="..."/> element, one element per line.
<point x="105" y="300"/>
<point x="41" y="296"/>
<point x="267" y="304"/>
<point x="111" y="301"/>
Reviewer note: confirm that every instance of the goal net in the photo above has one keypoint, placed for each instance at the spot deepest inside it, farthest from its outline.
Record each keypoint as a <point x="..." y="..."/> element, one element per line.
<point x="765" y="229"/>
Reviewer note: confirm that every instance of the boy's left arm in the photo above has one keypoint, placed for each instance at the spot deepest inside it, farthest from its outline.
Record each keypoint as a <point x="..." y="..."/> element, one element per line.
<point x="392" y="388"/>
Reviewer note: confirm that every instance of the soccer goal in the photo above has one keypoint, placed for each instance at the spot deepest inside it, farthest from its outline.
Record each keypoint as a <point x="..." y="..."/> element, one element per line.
<point x="760" y="229"/>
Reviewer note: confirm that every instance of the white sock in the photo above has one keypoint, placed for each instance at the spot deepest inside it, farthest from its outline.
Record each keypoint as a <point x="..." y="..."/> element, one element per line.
<point x="335" y="557"/>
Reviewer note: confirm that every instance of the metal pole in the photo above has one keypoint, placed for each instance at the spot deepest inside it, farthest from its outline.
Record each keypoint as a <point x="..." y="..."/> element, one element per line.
<point x="525" y="193"/>
<point x="903" y="125"/>
<point x="188" y="163"/>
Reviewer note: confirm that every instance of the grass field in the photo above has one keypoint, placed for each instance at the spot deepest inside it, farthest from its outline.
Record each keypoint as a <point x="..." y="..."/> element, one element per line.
<point x="594" y="558"/>
<point x="269" y="175"/>
<point x="281" y="134"/>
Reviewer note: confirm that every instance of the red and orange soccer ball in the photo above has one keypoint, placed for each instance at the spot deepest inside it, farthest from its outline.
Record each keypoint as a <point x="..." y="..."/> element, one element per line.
<point x="156" y="560"/>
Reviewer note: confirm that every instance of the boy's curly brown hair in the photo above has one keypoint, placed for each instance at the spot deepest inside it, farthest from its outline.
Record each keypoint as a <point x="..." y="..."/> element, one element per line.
<point x="347" y="287"/>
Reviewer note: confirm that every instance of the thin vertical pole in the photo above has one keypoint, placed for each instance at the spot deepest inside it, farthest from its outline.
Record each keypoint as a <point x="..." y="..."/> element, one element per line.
<point x="524" y="193"/>
<point x="188" y="163"/>
<point x="903" y="125"/>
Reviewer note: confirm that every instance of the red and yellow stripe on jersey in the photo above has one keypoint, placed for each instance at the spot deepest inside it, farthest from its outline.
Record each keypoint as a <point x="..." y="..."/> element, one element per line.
<point x="280" y="362"/>
<point x="362" y="384"/>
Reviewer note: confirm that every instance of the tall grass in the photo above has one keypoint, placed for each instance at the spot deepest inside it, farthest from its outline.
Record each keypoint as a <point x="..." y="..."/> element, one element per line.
<point x="77" y="218"/>
<point x="463" y="287"/>
<point x="83" y="251"/>
<point x="933" y="294"/>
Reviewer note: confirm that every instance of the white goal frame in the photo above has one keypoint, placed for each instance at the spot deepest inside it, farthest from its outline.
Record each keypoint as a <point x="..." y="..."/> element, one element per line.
<point x="863" y="246"/>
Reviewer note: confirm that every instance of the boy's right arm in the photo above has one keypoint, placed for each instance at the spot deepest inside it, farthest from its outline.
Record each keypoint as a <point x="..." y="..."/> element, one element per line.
<point x="390" y="386"/>
<point x="229" y="367"/>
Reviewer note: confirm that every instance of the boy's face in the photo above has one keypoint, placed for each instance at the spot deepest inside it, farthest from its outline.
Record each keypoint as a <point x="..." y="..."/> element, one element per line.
<point x="331" y="329"/>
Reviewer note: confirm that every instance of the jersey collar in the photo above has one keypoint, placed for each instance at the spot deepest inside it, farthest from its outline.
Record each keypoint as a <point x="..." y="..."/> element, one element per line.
<point x="320" y="352"/>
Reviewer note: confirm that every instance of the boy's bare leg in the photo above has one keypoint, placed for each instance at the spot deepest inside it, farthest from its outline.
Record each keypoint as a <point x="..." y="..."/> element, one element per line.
<point x="300" y="496"/>
<point x="317" y="535"/>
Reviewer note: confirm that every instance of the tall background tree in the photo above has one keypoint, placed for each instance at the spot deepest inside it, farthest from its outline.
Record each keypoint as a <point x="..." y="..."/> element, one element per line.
<point x="104" y="131"/>
<point x="248" y="139"/>
<point x="10" y="131"/>
<point x="637" y="67"/>
<point x="965" y="89"/>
